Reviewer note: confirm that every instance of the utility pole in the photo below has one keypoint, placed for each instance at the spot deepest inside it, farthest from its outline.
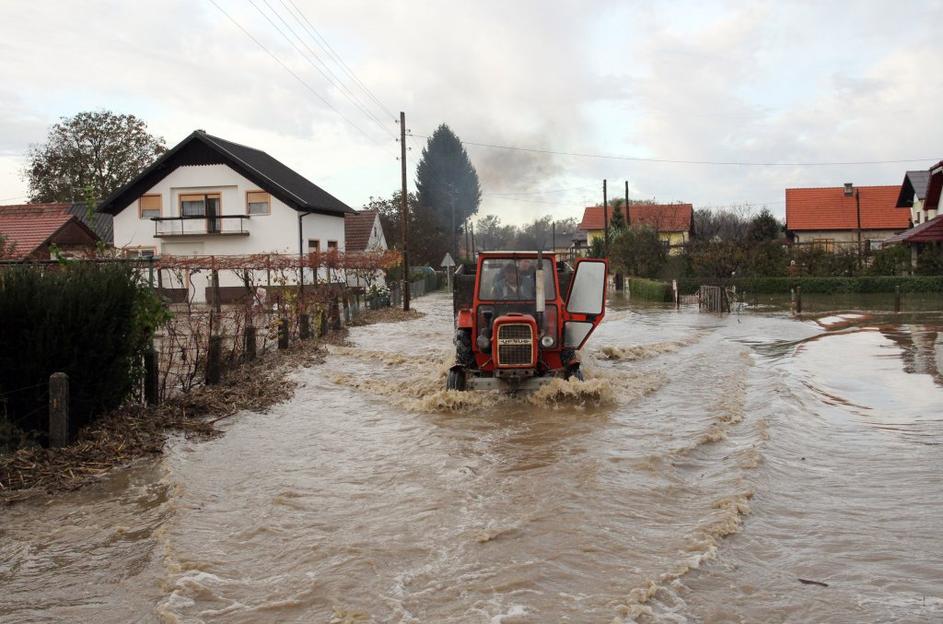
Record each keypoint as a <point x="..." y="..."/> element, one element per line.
<point x="553" y="236"/>
<point x="605" y="220"/>
<point x="452" y="206"/>
<point x="404" y="209"/>
<point x="858" y="210"/>
<point x="467" y="241"/>
<point x="628" y="221"/>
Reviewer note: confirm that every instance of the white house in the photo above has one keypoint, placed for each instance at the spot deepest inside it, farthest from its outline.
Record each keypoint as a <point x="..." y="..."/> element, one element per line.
<point x="364" y="232"/>
<point x="210" y="197"/>
<point x="913" y="194"/>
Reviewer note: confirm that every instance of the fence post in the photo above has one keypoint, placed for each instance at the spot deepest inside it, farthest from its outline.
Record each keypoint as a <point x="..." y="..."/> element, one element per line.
<point x="249" y="340"/>
<point x="151" y="378"/>
<point x="335" y="313"/>
<point x="214" y="355"/>
<point x="322" y="322"/>
<point x="798" y="299"/>
<point x="897" y="299"/>
<point x="674" y="293"/>
<point x="60" y="429"/>
<point x="282" y="333"/>
<point x="304" y="326"/>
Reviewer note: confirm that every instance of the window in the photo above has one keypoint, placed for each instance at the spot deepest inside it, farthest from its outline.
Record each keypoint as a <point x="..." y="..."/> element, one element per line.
<point x="140" y="252"/>
<point x="314" y="245"/>
<point x="258" y="203"/>
<point x="192" y="205"/>
<point x="149" y="206"/>
<point x="331" y="245"/>
<point x="513" y="280"/>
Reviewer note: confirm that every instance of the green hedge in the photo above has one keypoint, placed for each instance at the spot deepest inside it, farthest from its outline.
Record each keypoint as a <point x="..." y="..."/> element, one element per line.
<point x="648" y="290"/>
<point x="89" y="321"/>
<point x="822" y="285"/>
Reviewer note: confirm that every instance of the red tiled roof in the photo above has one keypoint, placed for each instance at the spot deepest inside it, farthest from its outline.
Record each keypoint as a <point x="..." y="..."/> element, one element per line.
<point x="28" y="226"/>
<point x="934" y="187"/>
<point x="663" y="217"/>
<point x="927" y="232"/>
<point x="829" y="209"/>
<point x="357" y="229"/>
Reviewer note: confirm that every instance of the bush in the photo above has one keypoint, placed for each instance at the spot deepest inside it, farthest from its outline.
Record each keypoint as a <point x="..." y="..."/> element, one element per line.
<point x="92" y="322"/>
<point x="648" y="290"/>
<point x="930" y="262"/>
<point x="822" y="285"/>
<point x="892" y="260"/>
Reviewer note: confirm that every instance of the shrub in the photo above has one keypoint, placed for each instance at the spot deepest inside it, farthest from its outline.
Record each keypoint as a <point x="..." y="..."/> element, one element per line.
<point x="90" y="321"/>
<point x="648" y="290"/>
<point x="891" y="260"/>
<point x="823" y="285"/>
<point x="930" y="262"/>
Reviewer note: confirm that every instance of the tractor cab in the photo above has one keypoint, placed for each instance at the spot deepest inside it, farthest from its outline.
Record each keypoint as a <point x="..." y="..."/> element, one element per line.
<point x="521" y="318"/>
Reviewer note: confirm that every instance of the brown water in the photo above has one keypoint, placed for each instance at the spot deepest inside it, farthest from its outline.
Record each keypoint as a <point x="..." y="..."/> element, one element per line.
<point x="707" y="465"/>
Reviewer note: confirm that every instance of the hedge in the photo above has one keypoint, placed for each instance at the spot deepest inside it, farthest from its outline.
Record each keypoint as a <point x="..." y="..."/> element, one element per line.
<point x="648" y="290"/>
<point x="822" y="285"/>
<point x="87" y="320"/>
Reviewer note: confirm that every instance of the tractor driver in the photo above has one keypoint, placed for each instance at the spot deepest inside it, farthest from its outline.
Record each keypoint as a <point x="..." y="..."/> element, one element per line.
<point x="512" y="285"/>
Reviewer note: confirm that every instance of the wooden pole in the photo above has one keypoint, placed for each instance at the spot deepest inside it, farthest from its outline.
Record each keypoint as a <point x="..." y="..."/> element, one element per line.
<point x="214" y="356"/>
<point x="605" y="220"/>
<point x="151" y="378"/>
<point x="304" y="326"/>
<point x="282" y="333"/>
<point x="60" y="429"/>
<point x="249" y="343"/>
<point x="897" y="299"/>
<point x="404" y="209"/>
<point x="628" y="221"/>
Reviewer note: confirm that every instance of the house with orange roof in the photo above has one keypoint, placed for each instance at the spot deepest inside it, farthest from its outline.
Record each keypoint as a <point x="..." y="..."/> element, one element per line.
<point x="673" y="222"/>
<point x="364" y="232"/>
<point x="838" y="217"/>
<point x="33" y="231"/>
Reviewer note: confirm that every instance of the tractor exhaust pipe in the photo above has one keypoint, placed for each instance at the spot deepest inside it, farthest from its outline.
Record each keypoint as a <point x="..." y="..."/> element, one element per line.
<point x="539" y="294"/>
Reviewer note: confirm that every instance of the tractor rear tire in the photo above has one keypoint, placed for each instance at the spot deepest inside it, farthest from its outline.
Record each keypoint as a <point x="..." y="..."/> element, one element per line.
<point x="456" y="379"/>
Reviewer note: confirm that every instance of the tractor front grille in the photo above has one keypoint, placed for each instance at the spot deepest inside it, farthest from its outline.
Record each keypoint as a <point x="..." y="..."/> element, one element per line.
<point x="515" y="345"/>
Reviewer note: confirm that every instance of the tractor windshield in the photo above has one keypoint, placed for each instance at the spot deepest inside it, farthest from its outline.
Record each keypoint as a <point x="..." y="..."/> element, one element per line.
<point x="507" y="279"/>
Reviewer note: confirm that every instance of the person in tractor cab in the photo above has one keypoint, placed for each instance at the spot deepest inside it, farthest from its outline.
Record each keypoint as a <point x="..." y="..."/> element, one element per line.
<point x="511" y="285"/>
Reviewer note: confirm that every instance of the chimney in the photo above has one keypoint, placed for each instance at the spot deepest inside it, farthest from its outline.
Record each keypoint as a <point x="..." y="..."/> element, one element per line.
<point x="849" y="187"/>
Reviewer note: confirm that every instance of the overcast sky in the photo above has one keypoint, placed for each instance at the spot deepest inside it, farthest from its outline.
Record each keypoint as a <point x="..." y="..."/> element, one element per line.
<point x="758" y="82"/>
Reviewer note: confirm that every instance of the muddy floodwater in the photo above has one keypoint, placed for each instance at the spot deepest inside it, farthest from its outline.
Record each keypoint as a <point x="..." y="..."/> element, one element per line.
<point x="707" y="465"/>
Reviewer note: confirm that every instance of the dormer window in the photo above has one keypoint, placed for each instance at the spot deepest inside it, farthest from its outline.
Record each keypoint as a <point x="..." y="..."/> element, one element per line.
<point x="258" y="203"/>
<point x="149" y="206"/>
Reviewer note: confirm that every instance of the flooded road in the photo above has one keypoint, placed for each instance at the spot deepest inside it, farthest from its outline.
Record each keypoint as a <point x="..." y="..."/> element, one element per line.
<point x="706" y="466"/>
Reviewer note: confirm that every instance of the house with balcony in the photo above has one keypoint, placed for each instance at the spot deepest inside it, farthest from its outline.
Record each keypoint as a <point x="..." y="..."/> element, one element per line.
<point x="207" y="196"/>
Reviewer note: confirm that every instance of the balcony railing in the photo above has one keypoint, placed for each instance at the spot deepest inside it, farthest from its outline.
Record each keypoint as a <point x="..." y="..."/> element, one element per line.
<point x="220" y="225"/>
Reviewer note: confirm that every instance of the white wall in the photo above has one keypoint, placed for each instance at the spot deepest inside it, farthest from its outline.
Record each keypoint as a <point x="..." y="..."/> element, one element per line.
<point x="276" y="232"/>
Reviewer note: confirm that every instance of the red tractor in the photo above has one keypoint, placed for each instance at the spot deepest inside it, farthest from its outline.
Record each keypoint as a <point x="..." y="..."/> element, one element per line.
<point x="522" y="317"/>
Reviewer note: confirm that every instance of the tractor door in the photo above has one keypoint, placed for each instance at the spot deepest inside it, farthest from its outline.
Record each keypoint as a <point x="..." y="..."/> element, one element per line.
<point x="586" y="301"/>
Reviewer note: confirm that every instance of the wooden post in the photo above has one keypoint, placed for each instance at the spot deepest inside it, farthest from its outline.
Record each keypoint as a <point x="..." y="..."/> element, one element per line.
<point x="214" y="356"/>
<point x="322" y="322"/>
<point x="335" y="314"/>
<point x="897" y="299"/>
<point x="304" y="326"/>
<point x="250" y="344"/>
<point x="798" y="299"/>
<point x="792" y="300"/>
<point x="282" y="333"/>
<point x="674" y="291"/>
<point x="60" y="429"/>
<point x="151" y="378"/>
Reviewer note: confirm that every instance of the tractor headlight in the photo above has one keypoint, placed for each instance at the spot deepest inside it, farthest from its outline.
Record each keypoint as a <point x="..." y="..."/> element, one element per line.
<point x="546" y="342"/>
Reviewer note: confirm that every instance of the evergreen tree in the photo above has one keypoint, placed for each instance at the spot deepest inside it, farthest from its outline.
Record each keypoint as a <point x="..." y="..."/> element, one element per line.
<point x="447" y="183"/>
<point x="618" y="219"/>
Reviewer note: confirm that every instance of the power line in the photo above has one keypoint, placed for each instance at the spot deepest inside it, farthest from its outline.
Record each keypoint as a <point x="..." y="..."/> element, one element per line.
<point x="327" y="47"/>
<point x="288" y="69"/>
<point x="332" y="78"/>
<point x="537" y="150"/>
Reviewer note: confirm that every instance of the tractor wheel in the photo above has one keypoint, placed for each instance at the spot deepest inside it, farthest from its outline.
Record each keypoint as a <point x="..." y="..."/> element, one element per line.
<point x="574" y="372"/>
<point x="463" y="349"/>
<point x="456" y="380"/>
